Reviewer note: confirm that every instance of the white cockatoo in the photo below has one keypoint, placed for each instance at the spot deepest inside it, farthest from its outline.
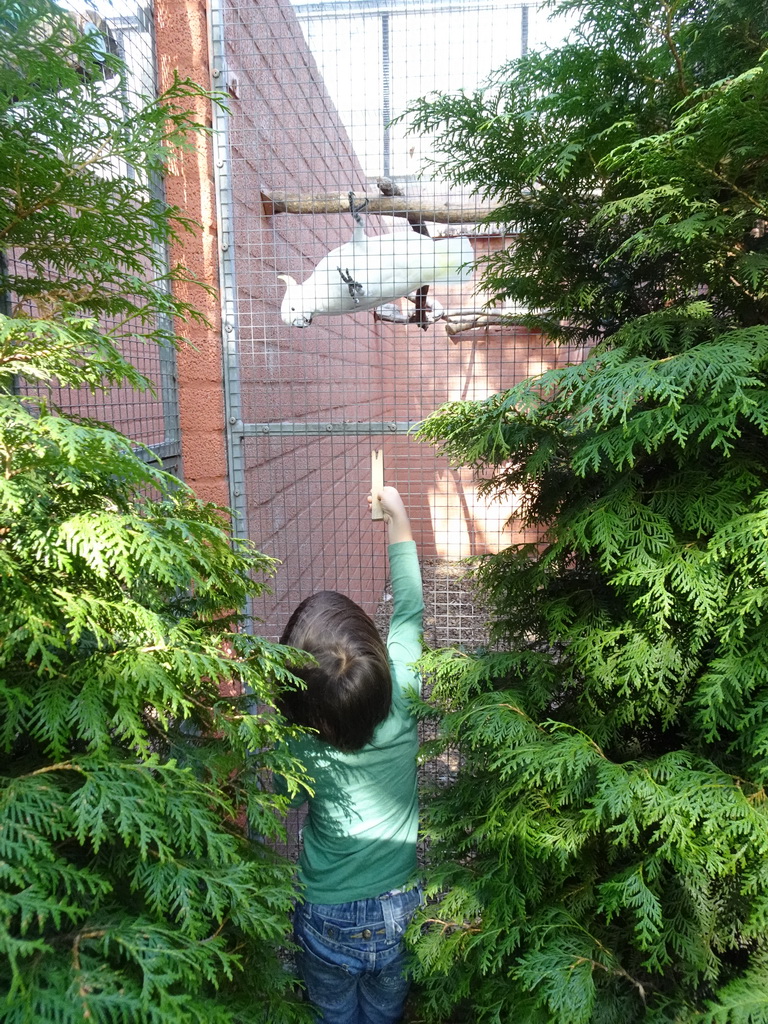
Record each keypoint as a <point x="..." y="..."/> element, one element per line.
<point x="372" y="270"/>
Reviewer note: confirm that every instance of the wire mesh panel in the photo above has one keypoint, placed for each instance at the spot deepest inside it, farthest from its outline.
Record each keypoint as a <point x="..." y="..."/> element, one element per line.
<point x="125" y="28"/>
<point x="313" y="89"/>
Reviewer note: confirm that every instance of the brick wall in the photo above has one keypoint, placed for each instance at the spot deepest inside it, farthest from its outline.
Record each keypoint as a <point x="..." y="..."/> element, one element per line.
<point x="182" y="47"/>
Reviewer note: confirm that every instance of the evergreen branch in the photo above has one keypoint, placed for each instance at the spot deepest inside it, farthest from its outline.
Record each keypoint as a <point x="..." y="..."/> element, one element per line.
<point x="761" y="207"/>
<point x="618" y="970"/>
<point x="670" y="12"/>
<point x="128" y="889"/>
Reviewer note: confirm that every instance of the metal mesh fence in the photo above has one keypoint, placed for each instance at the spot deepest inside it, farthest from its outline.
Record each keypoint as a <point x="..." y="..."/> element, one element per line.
<point x="126" y="28"/>
<point x="312" y="91"/>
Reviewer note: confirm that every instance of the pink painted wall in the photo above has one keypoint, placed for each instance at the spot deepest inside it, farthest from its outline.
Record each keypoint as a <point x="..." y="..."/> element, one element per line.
<point x="306" y="495"/>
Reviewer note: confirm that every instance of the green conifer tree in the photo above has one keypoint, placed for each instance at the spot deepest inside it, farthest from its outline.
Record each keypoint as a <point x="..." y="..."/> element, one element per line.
<point x="602" y="857"/>
<point x="130" y="766"/>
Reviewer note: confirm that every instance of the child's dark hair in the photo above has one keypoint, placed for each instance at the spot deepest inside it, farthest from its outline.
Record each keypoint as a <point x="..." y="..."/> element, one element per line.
<point x="349" y="692"/>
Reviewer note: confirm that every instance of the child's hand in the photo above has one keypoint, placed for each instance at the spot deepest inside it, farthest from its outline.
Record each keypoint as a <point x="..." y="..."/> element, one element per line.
<point x="395" y="514"/>
<point x="391" y="504"/>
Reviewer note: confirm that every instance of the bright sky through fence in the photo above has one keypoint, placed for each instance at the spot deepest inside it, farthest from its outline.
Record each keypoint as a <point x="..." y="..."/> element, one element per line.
<point x="116" y="8"/>
<point x="377" y="56"/>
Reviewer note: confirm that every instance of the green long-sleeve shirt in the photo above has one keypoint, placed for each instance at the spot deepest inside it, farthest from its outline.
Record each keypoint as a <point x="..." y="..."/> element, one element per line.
<point x="361" y="830"/>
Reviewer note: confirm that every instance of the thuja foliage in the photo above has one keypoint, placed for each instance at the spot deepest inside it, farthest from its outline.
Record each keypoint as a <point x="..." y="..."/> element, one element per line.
<point x="602" y="856"/>
<point x="132" y="770"/>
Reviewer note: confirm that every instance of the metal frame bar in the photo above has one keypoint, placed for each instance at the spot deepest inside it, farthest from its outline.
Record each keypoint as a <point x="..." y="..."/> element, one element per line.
<point x="227" y="279"/>
<point x="359" y="429"/>
<point x="356" y="8"/>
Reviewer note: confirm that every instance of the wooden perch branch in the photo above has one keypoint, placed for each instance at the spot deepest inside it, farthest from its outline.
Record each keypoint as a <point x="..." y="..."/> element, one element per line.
<point x="473" y="321"/>
<point x="399" y="206"/>
<point x="454" y="321"/>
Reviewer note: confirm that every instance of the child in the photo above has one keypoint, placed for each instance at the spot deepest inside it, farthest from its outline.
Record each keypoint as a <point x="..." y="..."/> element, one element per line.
<point x="359" y="853"/>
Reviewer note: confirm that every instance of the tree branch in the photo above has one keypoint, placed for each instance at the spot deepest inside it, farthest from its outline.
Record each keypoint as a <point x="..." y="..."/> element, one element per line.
<point x="474" y="320"/>
<point x="399" y="206"/>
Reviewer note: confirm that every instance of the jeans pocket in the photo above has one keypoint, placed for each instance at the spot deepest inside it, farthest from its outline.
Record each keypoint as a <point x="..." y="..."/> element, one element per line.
<point x="312" y="946"/>
<point x="337" y="940"/>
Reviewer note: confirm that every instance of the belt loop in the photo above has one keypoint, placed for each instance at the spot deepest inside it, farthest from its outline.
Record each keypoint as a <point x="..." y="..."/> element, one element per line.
<point x="389" y="920"/>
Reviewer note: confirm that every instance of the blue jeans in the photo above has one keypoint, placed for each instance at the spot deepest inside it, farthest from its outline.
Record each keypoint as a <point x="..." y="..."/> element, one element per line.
<point x="351" y="957"/>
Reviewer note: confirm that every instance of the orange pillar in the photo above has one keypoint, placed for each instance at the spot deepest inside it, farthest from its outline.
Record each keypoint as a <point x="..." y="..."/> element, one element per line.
<point x="182" y="45"/>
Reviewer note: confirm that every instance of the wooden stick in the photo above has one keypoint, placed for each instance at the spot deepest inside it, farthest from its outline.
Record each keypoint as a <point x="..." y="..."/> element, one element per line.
<point x="377" y="482"/>
<point x="484" y="320"/>
<point x="400" y="206"/>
